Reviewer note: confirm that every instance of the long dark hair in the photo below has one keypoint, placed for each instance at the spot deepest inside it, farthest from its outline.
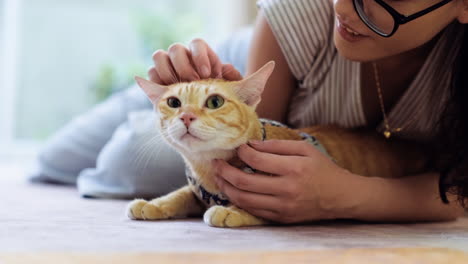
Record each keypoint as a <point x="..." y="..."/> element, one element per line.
<point x="453" y="130"/>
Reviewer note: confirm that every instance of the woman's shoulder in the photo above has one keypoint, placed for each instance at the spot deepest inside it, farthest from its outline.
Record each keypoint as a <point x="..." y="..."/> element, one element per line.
<point x="299" y="13"/>
<point x="303" y="29"/>
<point x="305" y="5"/>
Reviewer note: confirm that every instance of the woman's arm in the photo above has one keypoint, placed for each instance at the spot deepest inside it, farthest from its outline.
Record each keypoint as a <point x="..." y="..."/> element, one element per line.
<point x="308" y="186"/>
<point x="279" y="88"/>
<point x="412" y="198"/>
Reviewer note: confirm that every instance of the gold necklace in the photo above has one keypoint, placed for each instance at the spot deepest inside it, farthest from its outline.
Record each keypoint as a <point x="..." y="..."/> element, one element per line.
<point x="388" y="131"/>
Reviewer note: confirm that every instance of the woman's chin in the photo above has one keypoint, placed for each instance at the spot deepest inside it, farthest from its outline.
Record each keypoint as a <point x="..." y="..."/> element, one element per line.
<point x="358" y="52"/>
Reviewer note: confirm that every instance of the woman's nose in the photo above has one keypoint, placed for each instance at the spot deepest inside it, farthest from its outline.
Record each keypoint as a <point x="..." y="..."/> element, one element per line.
<point x="344" y="10"/>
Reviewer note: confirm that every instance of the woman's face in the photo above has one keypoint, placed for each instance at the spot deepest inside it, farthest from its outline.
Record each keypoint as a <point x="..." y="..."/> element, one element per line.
<point x="370" y="46"/>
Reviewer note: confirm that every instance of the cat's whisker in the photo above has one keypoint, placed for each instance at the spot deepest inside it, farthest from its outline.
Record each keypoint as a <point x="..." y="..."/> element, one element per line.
<point x="171" y="131"/>
<point x="206" y="130"/>
<point x="145" y="148"/>
<point x="159" y="149"/>
<point x="152" y="150"/>
<point x="140" y="145"/>
<point x="142" y="155"/>
<point x="147" y="144"/>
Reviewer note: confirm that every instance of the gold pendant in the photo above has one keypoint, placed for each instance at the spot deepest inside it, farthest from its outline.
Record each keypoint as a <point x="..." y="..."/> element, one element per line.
<point x="387" y="134"/>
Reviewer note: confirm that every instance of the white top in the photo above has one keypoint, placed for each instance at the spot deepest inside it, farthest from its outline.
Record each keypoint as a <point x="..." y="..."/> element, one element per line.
<point x="329" y="89"/>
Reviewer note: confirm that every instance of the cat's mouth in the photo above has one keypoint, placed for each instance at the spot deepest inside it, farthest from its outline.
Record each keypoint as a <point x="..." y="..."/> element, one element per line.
<point x="189" y="136"/>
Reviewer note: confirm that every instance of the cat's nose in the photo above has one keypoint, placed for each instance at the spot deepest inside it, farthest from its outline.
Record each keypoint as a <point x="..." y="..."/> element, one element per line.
<point x="188" y="118"/>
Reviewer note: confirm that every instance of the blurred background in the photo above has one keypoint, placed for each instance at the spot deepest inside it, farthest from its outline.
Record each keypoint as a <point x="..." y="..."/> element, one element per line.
<point x="59" y="58"/>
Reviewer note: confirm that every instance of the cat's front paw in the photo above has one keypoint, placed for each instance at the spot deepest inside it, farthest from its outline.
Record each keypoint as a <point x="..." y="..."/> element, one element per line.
<point x="153" y="212"/>
<point x="133" y="210"/>
<point x="220" y="216"/>
<point x="143" y="210"/>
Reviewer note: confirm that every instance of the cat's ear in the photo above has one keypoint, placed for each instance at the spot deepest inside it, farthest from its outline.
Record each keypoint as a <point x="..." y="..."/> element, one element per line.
<point x="153" y="90"/>
<point x="251" y="88"/>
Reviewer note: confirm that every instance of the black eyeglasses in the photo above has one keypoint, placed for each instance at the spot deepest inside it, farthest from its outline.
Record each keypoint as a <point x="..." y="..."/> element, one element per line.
<point x="384" y="19"/>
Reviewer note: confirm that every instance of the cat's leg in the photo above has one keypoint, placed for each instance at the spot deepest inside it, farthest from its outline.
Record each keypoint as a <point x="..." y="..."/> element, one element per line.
<point x="177" y="204"/>
<point x="232" y="216"/>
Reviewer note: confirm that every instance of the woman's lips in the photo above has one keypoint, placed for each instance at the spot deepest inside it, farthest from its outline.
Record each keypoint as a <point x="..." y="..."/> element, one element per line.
<point x="348" y="33"/>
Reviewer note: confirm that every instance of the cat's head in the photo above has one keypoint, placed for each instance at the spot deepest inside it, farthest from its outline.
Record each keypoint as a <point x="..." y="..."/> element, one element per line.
<point x="207" y="114"/>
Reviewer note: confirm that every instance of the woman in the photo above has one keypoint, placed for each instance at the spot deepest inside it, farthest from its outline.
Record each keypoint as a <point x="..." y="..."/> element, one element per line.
<point x="352" y="63"/>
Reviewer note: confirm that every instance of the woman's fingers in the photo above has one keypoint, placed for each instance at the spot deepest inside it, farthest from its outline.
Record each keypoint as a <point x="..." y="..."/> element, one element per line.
<point x="182" y="64"/>
<point x="216" y="65"/>
<point x="205" y="60"/>
<point x="264" y="161"/>
<point x="154" y="76"/>
<point x="230" y="73"/>
<point x="179" y="56"/>
<point x="163" y="67"/>
<point x="256" y="183"/>
<point x="244" y="199"/>
<point x="284" y="147"/>
<point x="274" y="216"/>
<point x="266" y="214"/>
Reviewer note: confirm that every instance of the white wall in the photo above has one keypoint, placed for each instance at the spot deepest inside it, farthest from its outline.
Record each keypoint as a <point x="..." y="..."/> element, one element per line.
<point x="9" y="27"/>
<point x="2" y="29"/>
<point x="62" y="45"/>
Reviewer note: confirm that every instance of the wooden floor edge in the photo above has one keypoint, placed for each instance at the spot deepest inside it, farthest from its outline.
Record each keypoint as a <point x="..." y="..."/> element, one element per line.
<point x="329" y="256"/>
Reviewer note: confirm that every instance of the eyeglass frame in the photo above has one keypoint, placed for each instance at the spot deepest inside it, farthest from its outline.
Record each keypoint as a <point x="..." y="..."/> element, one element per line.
<point x="398" y="18"/>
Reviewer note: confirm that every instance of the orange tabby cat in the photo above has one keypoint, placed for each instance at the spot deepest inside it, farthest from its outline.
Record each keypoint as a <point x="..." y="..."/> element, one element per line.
<point x="209" y="119"/>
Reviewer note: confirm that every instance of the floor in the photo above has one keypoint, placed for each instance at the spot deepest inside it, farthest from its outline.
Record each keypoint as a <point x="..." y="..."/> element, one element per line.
<point x="51" y="218"/>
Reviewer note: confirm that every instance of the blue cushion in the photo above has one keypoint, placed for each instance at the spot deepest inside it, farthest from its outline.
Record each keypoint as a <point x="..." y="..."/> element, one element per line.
<point x="135" y="162"/>
<point x="77" y="145"/>
<point x="106" y="151"/>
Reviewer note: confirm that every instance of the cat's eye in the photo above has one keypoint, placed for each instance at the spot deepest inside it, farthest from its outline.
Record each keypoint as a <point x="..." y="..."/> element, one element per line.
<point x="173" y="102"/>
<point x="214" y="102"/>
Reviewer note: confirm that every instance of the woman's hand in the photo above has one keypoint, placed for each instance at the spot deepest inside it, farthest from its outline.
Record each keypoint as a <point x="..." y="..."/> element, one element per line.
<point x="183" y="64"/>
<point x="306" y="185"/>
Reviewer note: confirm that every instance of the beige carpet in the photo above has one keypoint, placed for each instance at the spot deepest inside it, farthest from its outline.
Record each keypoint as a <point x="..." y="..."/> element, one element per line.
<point x="39" y="219"/>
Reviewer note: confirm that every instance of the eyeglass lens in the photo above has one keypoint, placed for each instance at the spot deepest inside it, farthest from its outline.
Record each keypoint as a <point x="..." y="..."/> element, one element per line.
<point x="375" y="16"/>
